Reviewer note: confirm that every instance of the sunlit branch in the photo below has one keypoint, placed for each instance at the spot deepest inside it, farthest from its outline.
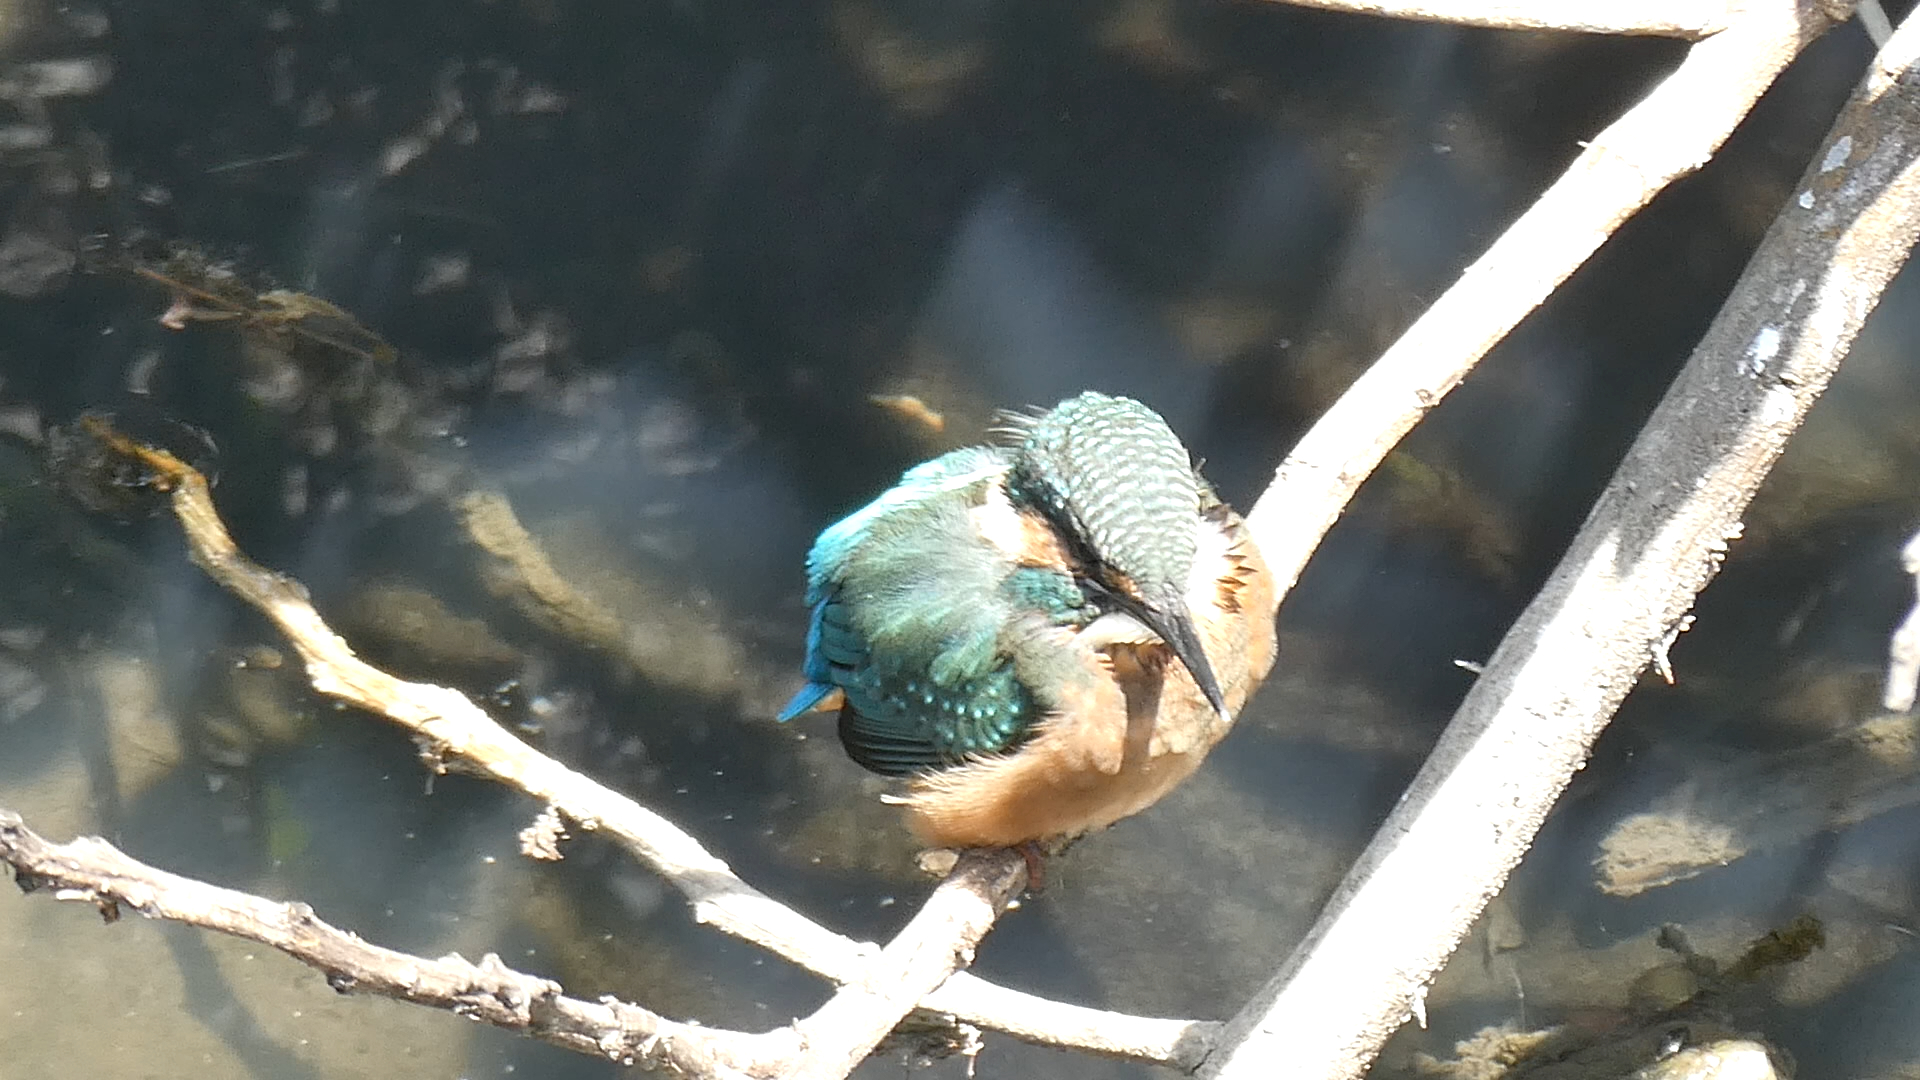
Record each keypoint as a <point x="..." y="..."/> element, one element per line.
<point x="824" y="1046"/>
<point x="92" y="871"/>
<point x="1654" y="18"/>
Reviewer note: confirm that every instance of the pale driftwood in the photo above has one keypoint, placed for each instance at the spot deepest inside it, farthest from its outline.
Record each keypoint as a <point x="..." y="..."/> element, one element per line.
<point x="1668" y="135"/>
<point x="1654" y="18"/>
<point x="92" y="871"/>
<point x="1652" y="542"/>
<point x="826" y="1045"/>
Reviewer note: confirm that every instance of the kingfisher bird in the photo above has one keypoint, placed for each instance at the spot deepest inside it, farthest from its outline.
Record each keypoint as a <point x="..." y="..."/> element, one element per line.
<point x="1040" y="637"/>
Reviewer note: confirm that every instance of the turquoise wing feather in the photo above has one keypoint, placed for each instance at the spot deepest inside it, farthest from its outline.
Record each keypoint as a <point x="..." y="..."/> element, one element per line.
<point x="830" y="643"/>
<point x="909" y="610"/>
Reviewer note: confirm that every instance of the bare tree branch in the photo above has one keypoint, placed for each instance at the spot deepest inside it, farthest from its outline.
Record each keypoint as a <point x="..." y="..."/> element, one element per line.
<point x="1178" y="1044"/>
<point x="1658" y="18"/>
<point x="1668" y="135"/>
<point x="93" y="871"/>
<point x="1616" y="601"/>
<point x="825" y="1046"/>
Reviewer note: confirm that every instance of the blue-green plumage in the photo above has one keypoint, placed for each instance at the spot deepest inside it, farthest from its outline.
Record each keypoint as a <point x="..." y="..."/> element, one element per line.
<point x="916" y="620"/>
<point x="944" y="640"/>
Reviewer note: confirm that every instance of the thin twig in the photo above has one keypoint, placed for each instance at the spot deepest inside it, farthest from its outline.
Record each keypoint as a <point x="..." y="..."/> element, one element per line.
<point x="1651" y="543"/>
<point x="1657" y="18"/>
<point x="90" y="870"/>
<point x="1670" y="134"/>
<point x="454" y="732"/>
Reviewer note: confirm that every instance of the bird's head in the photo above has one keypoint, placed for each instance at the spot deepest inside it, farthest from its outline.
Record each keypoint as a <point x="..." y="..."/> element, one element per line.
<point x="1116" y="484"/>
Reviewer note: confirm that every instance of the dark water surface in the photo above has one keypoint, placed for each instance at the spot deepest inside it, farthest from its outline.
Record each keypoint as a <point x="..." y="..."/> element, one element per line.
<point x="654" y="271"/>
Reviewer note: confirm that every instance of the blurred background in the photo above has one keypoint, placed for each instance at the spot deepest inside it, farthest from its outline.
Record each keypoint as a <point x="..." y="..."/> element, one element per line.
<point x="656" y="290"/>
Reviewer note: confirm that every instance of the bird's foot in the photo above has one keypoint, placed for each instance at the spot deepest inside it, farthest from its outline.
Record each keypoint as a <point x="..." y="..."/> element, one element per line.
<point x="1036" y="857"/>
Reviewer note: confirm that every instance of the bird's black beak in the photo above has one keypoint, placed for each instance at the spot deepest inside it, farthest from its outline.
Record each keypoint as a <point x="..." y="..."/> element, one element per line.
<point x="1174" y="623"/>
